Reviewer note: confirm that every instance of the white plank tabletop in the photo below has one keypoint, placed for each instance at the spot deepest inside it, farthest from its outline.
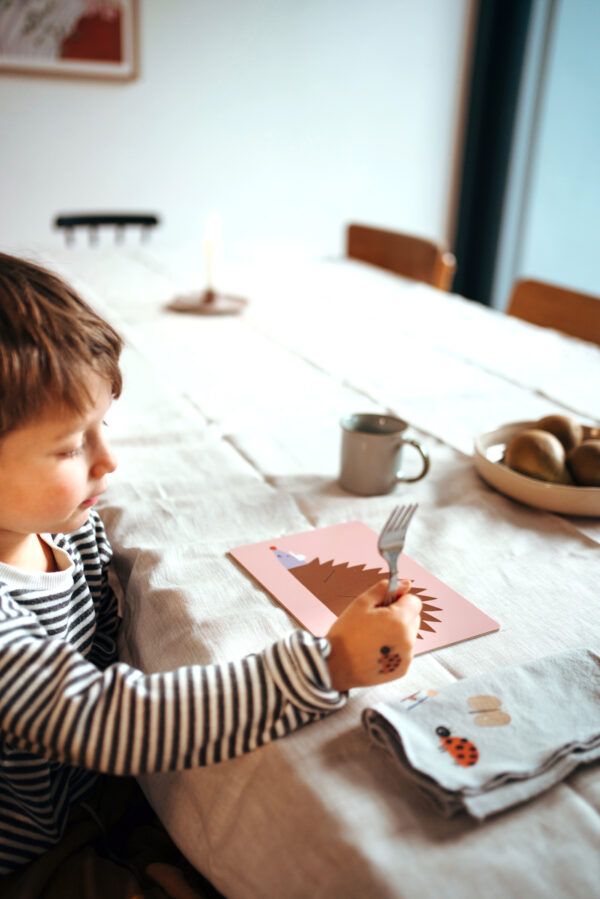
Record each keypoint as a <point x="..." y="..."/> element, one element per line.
<point x="228" y="433"/>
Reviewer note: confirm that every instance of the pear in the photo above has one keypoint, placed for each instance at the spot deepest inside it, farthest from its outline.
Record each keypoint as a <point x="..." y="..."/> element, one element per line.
<point x="538" y="454"/>
<point x="568" y="431"/>
<point x="584" y="463"/>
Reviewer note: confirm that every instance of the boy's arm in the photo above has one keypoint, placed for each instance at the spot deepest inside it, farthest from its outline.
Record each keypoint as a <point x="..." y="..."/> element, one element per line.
<point x="54" y="702"/>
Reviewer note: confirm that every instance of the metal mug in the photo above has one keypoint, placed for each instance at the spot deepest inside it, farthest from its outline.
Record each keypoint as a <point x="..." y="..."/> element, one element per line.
<point x="372" y="446"/>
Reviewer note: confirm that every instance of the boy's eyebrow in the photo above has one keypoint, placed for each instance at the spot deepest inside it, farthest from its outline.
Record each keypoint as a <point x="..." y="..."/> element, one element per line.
<point x="76" y="425"/>
<point x="69" y="422"/>
<point x="68" y="425"/>
<point x="65" y="433"/>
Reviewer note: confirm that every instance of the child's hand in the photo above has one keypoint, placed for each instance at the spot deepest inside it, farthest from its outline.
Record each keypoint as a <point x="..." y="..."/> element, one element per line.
<point x="371" y="643"/>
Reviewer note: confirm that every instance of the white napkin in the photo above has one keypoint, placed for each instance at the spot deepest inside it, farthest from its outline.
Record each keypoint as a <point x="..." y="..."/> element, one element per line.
<point x="495" y="740"/>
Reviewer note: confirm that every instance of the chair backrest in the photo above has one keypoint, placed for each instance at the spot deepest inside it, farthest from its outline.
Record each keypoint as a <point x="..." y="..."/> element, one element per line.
<point x="94" y="220"/>
<point x="577" y="314"/>
<point x="403" y="254"/>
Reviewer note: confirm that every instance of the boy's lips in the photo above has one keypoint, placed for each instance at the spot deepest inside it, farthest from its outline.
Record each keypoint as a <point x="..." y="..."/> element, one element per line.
<point x="92" y="500"/>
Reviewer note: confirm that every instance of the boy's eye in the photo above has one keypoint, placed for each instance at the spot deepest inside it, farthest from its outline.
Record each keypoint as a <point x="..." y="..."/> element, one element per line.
<point x="75" y="452"/>
<point x="87" y="438"/>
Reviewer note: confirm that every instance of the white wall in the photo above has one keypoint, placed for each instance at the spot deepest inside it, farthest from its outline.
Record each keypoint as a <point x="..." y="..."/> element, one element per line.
<point x="287" y="117"/>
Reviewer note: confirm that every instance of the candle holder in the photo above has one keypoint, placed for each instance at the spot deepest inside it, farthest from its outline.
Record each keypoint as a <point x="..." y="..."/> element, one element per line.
<point x="208" y="302"/>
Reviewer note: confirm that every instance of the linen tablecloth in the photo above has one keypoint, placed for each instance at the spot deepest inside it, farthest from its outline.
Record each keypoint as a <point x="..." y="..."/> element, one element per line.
<point x="227" y="434"/>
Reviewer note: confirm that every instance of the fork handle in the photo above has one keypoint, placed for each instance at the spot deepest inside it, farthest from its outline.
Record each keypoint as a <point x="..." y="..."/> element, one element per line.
<point x="392" y="589"/>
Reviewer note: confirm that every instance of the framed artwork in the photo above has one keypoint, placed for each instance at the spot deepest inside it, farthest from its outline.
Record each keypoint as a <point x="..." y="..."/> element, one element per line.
<point x="73" y="38"/>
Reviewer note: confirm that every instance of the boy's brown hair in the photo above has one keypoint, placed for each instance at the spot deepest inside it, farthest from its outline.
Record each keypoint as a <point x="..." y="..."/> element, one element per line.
<point x="49" y="340"/>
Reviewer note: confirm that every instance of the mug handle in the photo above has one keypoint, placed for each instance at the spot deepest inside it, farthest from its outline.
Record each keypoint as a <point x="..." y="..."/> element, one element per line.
<point x="424" y="456"/>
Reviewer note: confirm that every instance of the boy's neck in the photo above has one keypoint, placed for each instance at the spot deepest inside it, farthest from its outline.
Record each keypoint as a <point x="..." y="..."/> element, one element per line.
<point x="30" y="553"/>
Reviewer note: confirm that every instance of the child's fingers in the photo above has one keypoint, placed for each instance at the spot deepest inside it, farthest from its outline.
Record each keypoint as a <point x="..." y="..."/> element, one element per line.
<point x="406" y="606"/>
<point x="413" y="606"/>
<point x="404" y="616"/>
<point x="371" y="597"/>
<point x="404" y="586"/>
<point x="403" y="613"/>
<point x="410" y="603"/>
<point x="374" y="596"/>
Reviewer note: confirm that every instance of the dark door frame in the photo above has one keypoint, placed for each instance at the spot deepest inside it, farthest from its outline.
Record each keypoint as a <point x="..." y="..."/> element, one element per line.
<point x="498" y="60"/>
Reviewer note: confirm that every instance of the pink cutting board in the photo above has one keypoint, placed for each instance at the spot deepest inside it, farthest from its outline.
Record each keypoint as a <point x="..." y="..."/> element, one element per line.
<point x="316" y="574"/>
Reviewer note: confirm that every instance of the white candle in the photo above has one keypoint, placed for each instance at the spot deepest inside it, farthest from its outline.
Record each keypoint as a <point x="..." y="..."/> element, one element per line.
<point x="212" y="248"/>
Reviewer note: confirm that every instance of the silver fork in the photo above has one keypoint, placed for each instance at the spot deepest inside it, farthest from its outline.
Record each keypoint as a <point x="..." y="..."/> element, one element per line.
<point x="391" y="543"/>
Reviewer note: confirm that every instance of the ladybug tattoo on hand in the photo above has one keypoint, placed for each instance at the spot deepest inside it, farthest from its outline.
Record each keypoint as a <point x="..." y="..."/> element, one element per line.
<point x="462" y="750"/>
<point x="388" y="660"/>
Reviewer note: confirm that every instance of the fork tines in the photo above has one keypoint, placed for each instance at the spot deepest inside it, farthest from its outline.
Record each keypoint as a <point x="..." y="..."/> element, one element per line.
<point x="398" y="522"/>
<point x="391" y="543"/>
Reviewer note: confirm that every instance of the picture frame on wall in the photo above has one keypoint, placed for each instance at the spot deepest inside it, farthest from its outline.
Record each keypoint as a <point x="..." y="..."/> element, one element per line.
<point x="70" y="38"/>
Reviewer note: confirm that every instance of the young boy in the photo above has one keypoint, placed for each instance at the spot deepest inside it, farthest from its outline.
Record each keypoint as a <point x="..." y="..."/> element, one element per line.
<point x="68" y="708"/>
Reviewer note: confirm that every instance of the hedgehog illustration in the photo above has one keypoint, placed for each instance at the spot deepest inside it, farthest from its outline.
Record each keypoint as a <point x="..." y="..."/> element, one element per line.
<point x="337" y="584"/>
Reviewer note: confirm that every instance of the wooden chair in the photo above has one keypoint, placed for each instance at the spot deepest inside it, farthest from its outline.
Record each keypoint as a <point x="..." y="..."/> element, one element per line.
<point x="93" y="221"/>
<point x="403" y="254"/>
<point x="577" y="314"/>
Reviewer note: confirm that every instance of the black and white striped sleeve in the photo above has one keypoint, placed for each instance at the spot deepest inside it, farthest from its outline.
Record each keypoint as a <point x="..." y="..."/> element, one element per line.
<point x="55" y="703"/>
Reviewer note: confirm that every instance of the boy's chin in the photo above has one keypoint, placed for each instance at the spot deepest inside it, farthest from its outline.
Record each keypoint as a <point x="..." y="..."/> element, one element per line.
<point x="74" y="522"/>
<point x="82" y="516"/>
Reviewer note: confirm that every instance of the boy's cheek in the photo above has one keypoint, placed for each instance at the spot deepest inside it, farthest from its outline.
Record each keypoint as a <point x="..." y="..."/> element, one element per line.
<point x="62" y="497"/>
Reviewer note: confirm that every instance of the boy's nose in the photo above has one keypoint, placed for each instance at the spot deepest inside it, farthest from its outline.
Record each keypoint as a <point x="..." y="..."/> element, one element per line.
<point x="104" y="463"/>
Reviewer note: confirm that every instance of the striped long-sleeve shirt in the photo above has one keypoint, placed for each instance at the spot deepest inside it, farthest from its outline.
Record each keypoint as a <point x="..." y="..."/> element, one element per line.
<point x="68" y="709"/>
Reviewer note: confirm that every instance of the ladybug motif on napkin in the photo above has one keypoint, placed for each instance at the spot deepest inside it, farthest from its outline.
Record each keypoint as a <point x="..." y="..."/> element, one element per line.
<point x="460" y="749"/>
